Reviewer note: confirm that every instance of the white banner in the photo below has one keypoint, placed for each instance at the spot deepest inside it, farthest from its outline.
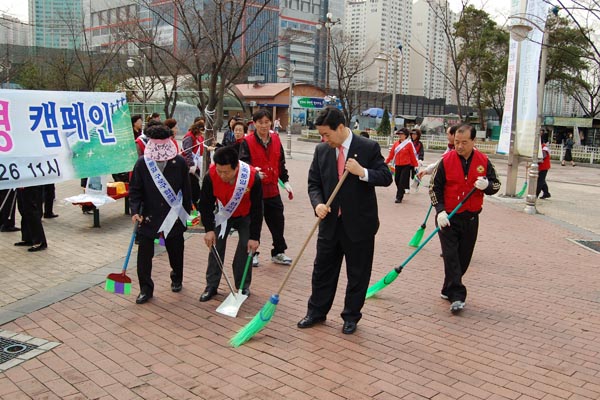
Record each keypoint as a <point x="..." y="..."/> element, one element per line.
<point x="529" y="59"/>
<point x="48" y="137"/>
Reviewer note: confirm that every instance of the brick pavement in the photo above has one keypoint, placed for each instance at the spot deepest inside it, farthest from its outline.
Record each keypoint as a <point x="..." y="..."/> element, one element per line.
<point x="530" y="330"/>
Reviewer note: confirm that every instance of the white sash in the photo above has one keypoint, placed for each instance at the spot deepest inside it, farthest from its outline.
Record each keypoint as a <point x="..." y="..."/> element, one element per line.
<point x="226" y="211"/>
<point x="175" y="201"/>
<point x="402" y="145"/>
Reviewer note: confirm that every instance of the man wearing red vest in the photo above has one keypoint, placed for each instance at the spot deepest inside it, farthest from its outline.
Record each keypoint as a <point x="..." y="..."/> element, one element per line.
<point x="263" y="150"/>
<point x="458" y="172"/>
<point x="235" y="187"/>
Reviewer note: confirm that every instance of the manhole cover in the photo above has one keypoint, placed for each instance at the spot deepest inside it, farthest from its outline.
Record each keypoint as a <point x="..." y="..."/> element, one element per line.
<point x="593" y="245"/>
<point x="10" y="349"/>
<point x="16" y="348"/>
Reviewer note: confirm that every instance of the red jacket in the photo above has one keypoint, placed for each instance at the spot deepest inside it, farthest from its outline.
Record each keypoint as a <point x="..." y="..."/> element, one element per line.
<point x="544" y="165"/>
<point x="457" y="185"/>
<point x="223" y="191"/>
<point x="267" y="159"/>
<point x="406" y="156"/>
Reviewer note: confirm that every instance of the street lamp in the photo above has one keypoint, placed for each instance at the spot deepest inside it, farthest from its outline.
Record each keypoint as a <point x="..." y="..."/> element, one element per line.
<point x="519" y="31"/>
<point x="395" y="58"/>
<point x="131" y="64"/>
<point x="329" y="23"/>
<point x="282" y="71"/>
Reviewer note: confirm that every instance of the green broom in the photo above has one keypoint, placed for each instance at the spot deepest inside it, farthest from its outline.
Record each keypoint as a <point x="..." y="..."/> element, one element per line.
<point x="523" y="189"/>
<point x="416" y="239"/>
<point x="263" y="317"/>
<point x="393" y="274"/>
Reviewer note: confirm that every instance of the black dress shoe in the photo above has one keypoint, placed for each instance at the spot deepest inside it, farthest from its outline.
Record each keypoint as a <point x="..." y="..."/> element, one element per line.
<point x="208" y="294"/>
<point x="143" y="298"/>
<point x="38" y="247"/>
<point x="22" y="244"/>
<point x="9" y="229"/>
<point x="176" y="287"/>
<point x="50" y="215"/>
<point x="349" y="327"/>
<point x="309" y="321"/>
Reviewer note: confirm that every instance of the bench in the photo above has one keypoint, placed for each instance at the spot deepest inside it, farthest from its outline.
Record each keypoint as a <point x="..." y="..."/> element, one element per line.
<point x="96" y="210"/>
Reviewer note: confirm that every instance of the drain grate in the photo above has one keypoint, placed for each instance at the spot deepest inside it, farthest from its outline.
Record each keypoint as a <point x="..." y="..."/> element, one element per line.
<point x="10" y="349"/>
<point x="16" y="348"/>
<point x="593" y="245"/>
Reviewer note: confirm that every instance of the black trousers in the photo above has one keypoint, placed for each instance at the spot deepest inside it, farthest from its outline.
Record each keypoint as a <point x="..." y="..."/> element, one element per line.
<point x="458" y="242"/>
<point x="273" y="214"/>
<point x="402" y="179"/>
<point x="326" y="272"/>
<point x="29" y="202"/>
<point x="7" y="212"/>
<point x="213" y="272"/>
<point x="175" y="247"/>
<point x="195" y="181"/>
<point x="542" y="186"/>
<point x="49" y="194"/>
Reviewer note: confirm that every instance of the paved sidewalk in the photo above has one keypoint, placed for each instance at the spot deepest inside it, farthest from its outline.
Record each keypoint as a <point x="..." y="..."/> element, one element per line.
<point x="530" y="330"/>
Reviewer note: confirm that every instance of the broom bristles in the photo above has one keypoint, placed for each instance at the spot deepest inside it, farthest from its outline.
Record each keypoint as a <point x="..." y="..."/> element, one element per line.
<point x="416" y="239"/>
<point x="260" y="320"/>
<point x="383" y="282"/>
<point x="118" y="287"/>
<point x="523" y="189"/>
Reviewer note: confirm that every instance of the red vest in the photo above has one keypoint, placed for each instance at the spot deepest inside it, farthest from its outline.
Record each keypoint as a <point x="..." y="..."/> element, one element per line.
<point x="457" y="185"/>
<point x="545" y="164"/>
<point x="196" y="142"/>
<point x="223" y="191"/>
<point x="268" y="161"/>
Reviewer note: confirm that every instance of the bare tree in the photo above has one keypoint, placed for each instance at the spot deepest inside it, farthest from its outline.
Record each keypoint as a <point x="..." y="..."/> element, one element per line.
<point x="348" y="68"/>
<point x="217" y="42"/>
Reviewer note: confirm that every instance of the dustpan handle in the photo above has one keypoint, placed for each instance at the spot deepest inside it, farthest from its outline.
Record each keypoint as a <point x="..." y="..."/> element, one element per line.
<point x="248" y="260"/>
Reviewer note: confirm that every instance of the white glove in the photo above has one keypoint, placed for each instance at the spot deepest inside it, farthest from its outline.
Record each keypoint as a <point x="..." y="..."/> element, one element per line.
<point x="482" y="183"/>
<point x="420" y="163"/>
<point x="193" y="169"/>
<point x="442" y="219"/>
<point x="288" y="188"/>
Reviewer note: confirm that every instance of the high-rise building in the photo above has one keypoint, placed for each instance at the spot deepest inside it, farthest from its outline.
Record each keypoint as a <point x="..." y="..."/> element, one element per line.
<point x="14" y="32"/>
<point x="376" y="29"/>
<point x="56" y="23"/>
<point x="429" y="63"/>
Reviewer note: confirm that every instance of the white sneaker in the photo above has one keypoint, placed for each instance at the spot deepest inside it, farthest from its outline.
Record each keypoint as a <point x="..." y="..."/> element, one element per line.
<point x="281" y="258"/>
<point x="255" y="260"/>
<point x="457" y="306"/>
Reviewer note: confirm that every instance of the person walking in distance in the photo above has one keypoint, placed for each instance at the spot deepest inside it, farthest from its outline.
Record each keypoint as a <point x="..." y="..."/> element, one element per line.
<point x="403" y="154"/>
<point x="457" y="173"/>
<point x="569" y="143"/>
<point x="234" y="187"/>
<point x="348" y="227"/>
<point x="544" y="166"/>
<point x="264" y="151"/>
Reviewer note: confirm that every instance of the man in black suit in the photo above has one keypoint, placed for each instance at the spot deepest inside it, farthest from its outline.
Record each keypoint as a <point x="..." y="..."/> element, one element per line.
<point x="348" y="227"/>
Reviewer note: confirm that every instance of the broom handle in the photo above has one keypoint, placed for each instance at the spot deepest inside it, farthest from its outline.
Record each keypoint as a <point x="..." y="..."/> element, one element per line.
<point x="314" y="228"/>
<point x="248" y="260"/>
<point x="222" y="267"/>
<point x="427" y="216"/>
<point x="6" y="198"/>
<point x="432" y="234"/>
<point x="131" y="241"/>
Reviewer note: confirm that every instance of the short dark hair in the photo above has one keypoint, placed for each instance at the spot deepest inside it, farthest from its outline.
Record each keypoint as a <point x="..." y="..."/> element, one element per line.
<point x="170" y="122"/>
<point x="157" y="131"/>
<point x="331" y="117"/>
<point x="365" y="134"/>
<point x="261" y="113"/>
<point x="154" y="115"/>
<point x="453" y="129"/>
<point x="153" y="122"/>
<point x="467" y="128"/>
<point x="226" y="155"/>
<point x="134" y="118"/>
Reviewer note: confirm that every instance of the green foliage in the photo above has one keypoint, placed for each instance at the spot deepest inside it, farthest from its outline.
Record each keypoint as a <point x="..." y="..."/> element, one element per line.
<point x="384" y="128"/>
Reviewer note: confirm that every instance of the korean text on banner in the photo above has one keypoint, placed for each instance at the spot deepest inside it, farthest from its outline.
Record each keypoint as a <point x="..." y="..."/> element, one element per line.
<point x="48" y="137"/>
